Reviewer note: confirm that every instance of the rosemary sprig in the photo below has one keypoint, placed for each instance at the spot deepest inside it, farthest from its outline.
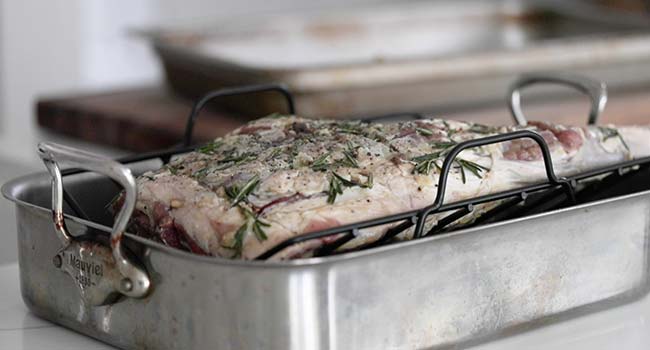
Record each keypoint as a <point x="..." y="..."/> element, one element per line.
<point x="231" y="159"/>
<point x="201" y="172"/>
<point x="211" y="147"/>
<point x="173" y="169"/>
<point x="425" y="163"/>
<point x="424" y="132"/>
<point x="238" y="244"/>
<point x="276" y="152"/>
<point x="296" y="147"/>
<point x="463" y="177"/>
<point x="369" y="183"/>
<point x="344" y="181"/>
<point x="237" y="194"/>
<point x="337" y="183"/>
<point x="320" y="163"/>
<point x="238" y="158"/>
<point x="258" y="229"/>
<point x="483" y="129"/>
<point x="349" y="159"/>
<point x="350" y="128"/>
<point x="473" y="167"/>
<point x="450" y="131"/>
<point x="253" y="223"/>
<point x="334" y="190"/>
<point x="443" y="144"/>
<point x="608" y="133"/>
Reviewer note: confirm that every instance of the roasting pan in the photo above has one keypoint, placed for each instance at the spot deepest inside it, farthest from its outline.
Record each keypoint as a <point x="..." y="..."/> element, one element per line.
<point x="428" y="55"/>
<point x="454" y="289"/>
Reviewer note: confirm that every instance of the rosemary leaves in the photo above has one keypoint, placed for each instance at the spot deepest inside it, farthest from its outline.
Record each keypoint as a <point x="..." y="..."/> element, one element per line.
<point x="424" y="132"/>
<point x="351" y="128"/>
<point x="211" y="147"/>
<point x="229" y="160"/>
<point x="349" y="159"/>
<point x="472" y="167"/>
<point x="424" y="164"/>
<point x="252" y="224"/>
<point x="338" y="183"/>
<point x="320" y="163"/>
<point x="483" y="129"/>
<point x="238" y="194"/>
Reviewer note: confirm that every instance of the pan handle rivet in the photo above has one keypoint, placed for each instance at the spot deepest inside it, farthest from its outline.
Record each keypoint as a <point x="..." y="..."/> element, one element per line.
<point x="126" y="285"/>
<point x="57" y="261"/>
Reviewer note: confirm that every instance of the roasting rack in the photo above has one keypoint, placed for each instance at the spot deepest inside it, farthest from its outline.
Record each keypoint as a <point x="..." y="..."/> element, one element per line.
<point x="555" y="192"/>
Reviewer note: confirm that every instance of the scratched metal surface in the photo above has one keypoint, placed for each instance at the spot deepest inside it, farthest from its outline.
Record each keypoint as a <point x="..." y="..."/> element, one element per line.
<point x="455" y="290"/>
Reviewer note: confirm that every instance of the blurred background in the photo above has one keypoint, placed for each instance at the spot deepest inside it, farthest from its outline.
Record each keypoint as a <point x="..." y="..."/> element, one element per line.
<point x="58" y="47"/>
<point x="73" y="48"/>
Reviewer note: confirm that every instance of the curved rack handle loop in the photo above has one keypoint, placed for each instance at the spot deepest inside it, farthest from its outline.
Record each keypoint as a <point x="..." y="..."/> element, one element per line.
<point x="595" y="90"/>
<point x="451" y="157"/>
<point x="248" y="89"/>
<point x="135" y="282"/>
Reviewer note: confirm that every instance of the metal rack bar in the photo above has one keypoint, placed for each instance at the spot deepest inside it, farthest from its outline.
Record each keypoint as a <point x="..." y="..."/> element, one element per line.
<point x="244" y="90"/>
<point x="449" y="219"/>
<point x="330" y="248"/>
<point x="595" y="90"/>
<point x="501" y="211"/>
<point x="451" y="157"/>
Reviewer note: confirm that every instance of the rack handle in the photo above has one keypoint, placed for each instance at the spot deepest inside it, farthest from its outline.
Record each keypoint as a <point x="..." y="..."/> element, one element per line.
<point x="242" y="90"/>
<point x="451" y="157"/>
<point x="128" y="279"/>
<point x="595" y="90"/>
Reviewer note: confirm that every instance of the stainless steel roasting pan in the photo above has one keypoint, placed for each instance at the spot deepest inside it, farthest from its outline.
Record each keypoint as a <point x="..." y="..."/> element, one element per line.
<point x="460" y="288"/>
<point x="451" y="290"/>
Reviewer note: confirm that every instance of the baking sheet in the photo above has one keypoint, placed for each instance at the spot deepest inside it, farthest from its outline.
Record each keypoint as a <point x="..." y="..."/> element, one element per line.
<point x="395" y="58"/>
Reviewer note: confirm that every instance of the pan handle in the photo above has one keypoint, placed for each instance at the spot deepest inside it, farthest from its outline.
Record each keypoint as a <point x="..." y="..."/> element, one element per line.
<point x="132" y="281"/>
<point x="595" y="90"/>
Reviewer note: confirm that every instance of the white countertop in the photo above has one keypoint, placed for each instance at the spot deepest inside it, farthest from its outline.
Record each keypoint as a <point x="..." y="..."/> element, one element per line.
<point x="625" y="327"/>
<point x="20" y="330"/>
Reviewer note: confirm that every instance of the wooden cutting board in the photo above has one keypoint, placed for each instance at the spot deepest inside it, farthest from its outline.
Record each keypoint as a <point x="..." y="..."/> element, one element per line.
<point x="150" y="118"/>
<point x="140" y="119"/>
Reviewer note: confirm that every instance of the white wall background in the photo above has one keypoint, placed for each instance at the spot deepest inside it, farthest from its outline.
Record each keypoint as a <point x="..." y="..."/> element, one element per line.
<point x="55" y="46"/>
